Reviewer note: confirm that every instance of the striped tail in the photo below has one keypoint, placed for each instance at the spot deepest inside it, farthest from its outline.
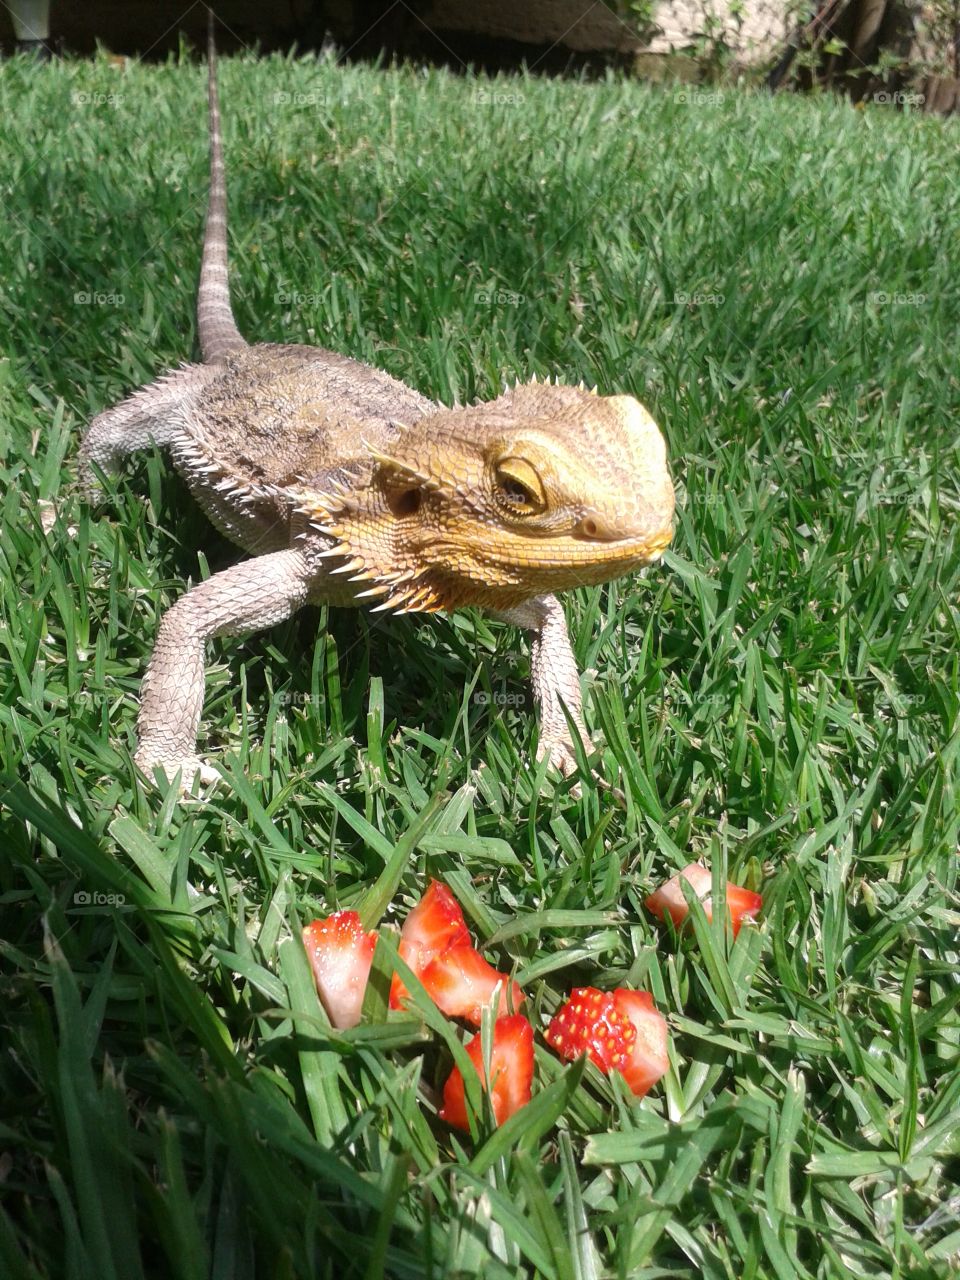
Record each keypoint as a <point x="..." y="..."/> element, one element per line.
<point x="219" y="335"/>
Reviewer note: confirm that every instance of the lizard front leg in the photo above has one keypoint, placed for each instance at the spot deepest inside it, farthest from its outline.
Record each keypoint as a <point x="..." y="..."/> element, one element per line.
<point x="152" y="415"/>
<point x="555" y="679"/>
<point x="247" y="597"/>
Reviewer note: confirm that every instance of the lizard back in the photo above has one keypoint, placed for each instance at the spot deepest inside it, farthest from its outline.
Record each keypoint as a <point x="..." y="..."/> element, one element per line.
<point x="281" y="419"/>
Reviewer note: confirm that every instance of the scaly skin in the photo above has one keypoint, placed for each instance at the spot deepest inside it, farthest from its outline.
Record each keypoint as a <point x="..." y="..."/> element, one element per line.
<point x="350" y="488"/>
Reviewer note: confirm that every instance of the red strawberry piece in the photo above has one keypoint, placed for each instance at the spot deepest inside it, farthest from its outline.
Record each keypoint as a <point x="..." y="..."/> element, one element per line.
<point x="743" y="904"/>
<point x="340" y="954"/>
<point x="461" y="982"/>
<point x="434" y="924"/>
<point x="669" y="899"/>
<point x="590" y="1023"/>
<point x="619" y="1030"/>
<point x="647" y="1059"/>
<point x="511" y="1073"/>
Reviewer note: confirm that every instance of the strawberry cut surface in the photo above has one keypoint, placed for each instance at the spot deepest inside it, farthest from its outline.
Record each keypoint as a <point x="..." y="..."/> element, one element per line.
<point x="340" y="954"/>
<point x="434" y="924"/>
<point x="461" y="983"/>
<point x="647" y="1060"/>
<point x="511" y="1073"/>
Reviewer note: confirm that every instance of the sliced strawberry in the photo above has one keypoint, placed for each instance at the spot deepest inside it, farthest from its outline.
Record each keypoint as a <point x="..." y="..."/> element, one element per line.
<point x="743" y="904"/>
<point x="340" y="954"/>
<point x="434" y="924"/>
<point x="590" y="1023"/>
<point x="461" y="982"/>
<point x="647" y="1059"/>
<point x="668" y="900"/>
<point x="398" y="991"/>
<point x="511" y="1072"/>
<point x="619" y="1030"/>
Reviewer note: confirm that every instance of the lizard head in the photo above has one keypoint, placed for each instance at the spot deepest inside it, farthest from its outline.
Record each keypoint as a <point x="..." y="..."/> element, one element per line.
<point x="545" y="488"/>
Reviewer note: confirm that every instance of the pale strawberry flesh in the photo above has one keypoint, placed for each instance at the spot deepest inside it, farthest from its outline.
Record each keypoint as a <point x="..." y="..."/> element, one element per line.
<point x="669" y="899"/>
<point x="340" y="954"/>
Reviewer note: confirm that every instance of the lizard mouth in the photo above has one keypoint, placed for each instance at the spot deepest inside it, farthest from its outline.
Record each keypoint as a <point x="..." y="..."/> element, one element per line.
<point x="603" y="560"/>
<point x="653" y="548"/>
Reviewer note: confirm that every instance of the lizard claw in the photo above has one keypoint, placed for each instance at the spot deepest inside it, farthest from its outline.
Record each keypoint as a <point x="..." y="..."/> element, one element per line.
<point x="562" y="756"/>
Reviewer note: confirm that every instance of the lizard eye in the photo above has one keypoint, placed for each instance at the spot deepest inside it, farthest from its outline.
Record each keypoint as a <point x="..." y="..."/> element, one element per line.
<point x="518" y="487"/>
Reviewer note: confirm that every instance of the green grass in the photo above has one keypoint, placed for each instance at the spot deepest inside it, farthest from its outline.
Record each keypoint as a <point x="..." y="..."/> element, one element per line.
<point x="777" y="280"/>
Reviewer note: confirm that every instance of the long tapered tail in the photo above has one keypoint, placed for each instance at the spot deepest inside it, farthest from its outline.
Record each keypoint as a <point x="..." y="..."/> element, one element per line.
<point x="219" y="335"/>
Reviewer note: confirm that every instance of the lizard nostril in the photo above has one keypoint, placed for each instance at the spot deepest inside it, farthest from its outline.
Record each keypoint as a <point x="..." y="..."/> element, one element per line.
<point x="595" y="527"/>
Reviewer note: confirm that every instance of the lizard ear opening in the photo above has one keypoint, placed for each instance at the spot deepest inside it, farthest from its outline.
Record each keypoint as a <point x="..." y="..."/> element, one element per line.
<point x="404" y="501"/>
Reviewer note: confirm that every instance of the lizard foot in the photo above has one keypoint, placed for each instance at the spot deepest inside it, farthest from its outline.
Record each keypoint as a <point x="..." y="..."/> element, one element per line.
<point x="563" y="757"/>
<point x="190" y="768"/>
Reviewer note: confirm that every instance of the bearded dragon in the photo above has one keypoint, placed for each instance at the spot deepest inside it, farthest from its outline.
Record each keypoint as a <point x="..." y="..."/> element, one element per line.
<point x="348" y="487"/>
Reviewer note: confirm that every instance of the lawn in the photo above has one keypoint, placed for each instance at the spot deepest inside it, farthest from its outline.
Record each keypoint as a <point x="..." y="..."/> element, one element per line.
<point x="776" y="279"/>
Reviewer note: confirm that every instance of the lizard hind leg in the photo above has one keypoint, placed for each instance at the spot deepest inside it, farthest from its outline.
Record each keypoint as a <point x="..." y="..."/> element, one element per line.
<point x="154" y="415"/>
